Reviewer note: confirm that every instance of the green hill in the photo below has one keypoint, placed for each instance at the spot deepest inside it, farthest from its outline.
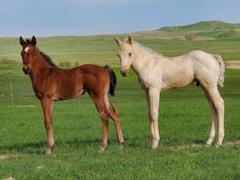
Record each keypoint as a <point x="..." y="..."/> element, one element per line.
<point x="202" y="26"/>
<point x="211" y="29"/>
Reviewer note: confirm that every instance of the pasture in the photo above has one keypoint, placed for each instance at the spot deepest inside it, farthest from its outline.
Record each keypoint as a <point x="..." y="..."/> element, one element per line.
<point x="184" y="127"/>
<point x="184" y="121"/>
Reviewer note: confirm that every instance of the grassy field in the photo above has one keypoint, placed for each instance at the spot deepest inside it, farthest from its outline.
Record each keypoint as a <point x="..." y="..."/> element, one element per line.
<point x="184" y="116"/>
<point x="102" y="49"/>
<point x="184" y="127"/>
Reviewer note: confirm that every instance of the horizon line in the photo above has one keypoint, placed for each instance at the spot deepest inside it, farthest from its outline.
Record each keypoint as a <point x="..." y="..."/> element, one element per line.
<point x="117" y="33"/>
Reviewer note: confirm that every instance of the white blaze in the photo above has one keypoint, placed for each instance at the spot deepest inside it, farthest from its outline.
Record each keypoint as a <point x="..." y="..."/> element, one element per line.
<point x="26" y="49"/>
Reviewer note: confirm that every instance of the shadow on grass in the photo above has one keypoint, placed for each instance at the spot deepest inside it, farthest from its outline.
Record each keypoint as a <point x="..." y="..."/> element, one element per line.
<point x="40" y="147"/>
<point x="75" y="144"/>
<point x="31" y="148"/>
<point x="63" y="145"/>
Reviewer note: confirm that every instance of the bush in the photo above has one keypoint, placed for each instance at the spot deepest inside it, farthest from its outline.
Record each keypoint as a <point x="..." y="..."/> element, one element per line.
<point x="227" y="34"/>
<point x="65" y="64"/>
<point x="189" y="37"/>
<point x="76" y="64"/>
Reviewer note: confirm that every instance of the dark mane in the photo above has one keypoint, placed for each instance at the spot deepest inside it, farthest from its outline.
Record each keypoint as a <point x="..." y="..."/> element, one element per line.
<point x="48" y="59"/>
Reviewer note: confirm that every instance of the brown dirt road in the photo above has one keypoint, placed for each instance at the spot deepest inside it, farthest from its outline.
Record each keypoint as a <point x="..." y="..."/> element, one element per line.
<point x="232" y="64"/>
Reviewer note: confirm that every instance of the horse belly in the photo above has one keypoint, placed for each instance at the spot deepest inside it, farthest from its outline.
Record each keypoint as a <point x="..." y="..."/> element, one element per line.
<point x="68" y="90"/>
<point x="177" y="80"/>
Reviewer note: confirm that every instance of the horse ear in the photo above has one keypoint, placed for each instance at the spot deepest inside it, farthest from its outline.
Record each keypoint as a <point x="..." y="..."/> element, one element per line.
<point x="130" y="40"/>
<point x="21" y="41"/>
<point x="118" y="41"/>
<point x="34" y="41"/>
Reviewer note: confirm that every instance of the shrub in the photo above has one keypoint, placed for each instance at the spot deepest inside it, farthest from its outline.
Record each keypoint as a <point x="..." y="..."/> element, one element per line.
<point x="65" y="64"/>
<point x="227" y="34"/>
<point x="189" y="37"/>
<point x="76" y="64"/>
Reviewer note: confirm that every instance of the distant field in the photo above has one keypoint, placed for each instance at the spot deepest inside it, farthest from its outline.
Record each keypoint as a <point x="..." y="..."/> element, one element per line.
<point x="101" y="49"/>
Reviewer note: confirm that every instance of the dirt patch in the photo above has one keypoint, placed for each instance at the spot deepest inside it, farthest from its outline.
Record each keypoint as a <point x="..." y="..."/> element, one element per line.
<point x="6" y="156"/>
<point x="237" y="142"/>
<point x="11" y="156"/>
<point x="232" y="64"/>
<point x="227" y="143"/>
<point x="9" y="178"/>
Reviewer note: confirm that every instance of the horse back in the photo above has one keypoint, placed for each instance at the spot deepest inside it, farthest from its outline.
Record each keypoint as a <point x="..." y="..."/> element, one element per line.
<point x="60" y="84"/>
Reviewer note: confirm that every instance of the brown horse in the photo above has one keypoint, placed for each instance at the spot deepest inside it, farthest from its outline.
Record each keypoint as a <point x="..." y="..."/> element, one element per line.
<point x="51" y="83"/>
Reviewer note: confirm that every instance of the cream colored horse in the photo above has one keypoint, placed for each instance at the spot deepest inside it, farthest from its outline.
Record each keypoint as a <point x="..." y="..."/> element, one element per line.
<point x="157" y="73"/>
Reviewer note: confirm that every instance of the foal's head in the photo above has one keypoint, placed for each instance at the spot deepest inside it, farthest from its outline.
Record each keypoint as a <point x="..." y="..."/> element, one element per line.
<point x="28" y="53"/>
<point x="125" y="54"/>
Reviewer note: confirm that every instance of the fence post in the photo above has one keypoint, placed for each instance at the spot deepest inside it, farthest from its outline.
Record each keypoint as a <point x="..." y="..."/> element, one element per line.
<point x="11" y="95"/>
<point x="78" y="100"/>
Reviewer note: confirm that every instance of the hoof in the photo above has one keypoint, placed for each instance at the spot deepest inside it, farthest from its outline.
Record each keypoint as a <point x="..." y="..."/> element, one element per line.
<point x="207" y="145"/>
<point x="218" y="145"/>
<point x="209" y="142"/>
<point x="48" y="152"/>
<point x="101" y="150"/>
<point x="121" y="146"/>
<point x="154" y="146"/>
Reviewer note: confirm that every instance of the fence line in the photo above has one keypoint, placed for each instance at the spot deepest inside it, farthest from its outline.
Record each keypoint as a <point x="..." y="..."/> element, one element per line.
<point x="11" y="92"/>
<point x="15" y="91"/>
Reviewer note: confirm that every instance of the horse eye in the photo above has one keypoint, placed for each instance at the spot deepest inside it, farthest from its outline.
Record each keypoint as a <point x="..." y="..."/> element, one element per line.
<point x="129" y="54"/>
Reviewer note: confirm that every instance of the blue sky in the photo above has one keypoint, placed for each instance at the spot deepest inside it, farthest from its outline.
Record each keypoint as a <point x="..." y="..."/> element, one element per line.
<point x="87" y="17"/>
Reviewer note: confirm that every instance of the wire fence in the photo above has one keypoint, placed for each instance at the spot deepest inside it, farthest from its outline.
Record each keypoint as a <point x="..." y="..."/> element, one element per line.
<point x="16" y="91"/>
<point x="13" y="88"/>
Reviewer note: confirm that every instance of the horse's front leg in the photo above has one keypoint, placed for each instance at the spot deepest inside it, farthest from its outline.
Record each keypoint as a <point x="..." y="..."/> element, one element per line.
<point x="153" y="104"/>
<point x="47" y="112"/>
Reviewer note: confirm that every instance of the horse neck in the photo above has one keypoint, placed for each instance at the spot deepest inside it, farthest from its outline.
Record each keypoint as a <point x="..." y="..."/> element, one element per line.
<point x="41" y="66"/>
<point x="141" y="58"/>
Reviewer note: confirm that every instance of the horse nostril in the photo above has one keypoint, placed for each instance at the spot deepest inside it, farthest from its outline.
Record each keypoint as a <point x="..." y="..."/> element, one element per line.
<point x="124" y="73"/>
<point x="26" y="70"/>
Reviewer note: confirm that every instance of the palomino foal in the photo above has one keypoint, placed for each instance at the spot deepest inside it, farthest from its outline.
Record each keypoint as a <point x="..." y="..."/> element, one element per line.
<point x="51" y="83"/>
<point x="157" y="73"/>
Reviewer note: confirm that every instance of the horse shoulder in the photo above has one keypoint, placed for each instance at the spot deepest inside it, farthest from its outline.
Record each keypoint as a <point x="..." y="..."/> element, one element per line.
<point x="151" y="75"/>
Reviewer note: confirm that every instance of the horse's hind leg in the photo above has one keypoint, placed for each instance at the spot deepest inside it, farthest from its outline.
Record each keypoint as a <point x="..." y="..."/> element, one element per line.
<point x="47" y="112"/>
<point x="104" y="114"/>
<point x="219" y="106"/>
<point x="116" y="121"/>
<point x="214" y="119"/>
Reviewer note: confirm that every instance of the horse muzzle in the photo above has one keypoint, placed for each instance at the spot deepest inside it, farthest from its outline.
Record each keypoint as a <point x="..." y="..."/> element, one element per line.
<point x="26" y="70"/>
<point x="124" y="73"/>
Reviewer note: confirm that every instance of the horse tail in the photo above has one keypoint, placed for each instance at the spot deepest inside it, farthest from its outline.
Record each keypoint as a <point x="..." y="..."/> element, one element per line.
<point x="222" y="69"/>
<point x="113" y="79"/>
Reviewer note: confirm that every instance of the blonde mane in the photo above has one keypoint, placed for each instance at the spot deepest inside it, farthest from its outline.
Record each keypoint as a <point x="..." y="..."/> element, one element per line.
<point x="145" y="49"/>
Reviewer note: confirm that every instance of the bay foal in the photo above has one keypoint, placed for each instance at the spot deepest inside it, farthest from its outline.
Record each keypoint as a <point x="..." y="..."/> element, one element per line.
<point x="51" y="83"/>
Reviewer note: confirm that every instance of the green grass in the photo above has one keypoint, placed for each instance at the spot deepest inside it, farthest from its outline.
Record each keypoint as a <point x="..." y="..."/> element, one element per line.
<point x="184" y="121"/>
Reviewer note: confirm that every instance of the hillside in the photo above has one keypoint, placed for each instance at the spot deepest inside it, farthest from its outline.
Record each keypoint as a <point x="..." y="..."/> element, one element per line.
<point x="210" y="29"/>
